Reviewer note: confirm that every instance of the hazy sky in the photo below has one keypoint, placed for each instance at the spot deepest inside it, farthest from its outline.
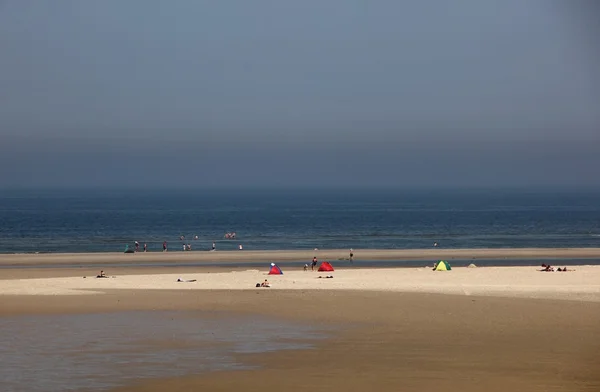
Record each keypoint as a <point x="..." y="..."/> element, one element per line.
<point x="299" y="93"/>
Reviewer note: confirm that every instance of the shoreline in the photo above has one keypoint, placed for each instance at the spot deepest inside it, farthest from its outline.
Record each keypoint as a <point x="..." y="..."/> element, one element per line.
<point x="250" y="256"/>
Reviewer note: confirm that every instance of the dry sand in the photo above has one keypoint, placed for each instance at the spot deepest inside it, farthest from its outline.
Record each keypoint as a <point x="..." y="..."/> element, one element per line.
<point x="580" y="283"/>
<point x="295" y="255"/>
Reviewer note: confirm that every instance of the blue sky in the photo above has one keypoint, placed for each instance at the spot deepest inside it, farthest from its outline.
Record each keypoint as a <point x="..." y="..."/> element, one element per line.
<point x="308" y="94"/>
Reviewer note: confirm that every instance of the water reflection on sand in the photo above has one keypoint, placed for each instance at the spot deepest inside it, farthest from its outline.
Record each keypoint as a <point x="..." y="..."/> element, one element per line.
<point x="50" y="353"/>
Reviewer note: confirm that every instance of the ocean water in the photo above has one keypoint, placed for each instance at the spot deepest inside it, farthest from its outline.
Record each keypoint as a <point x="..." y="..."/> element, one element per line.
<point x="56" y="353"/>
<point x="99" y="221"/>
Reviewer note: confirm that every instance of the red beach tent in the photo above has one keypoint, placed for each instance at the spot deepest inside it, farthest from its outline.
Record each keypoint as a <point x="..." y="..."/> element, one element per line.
<point x="325" y="266"/>
<point x="275" y="270"/>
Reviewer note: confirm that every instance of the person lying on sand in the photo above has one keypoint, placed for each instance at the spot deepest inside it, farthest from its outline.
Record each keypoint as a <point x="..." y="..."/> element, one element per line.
<point x="189" y="280"/>
<point x="547" y="268"/>
<point x="327" y="277"/>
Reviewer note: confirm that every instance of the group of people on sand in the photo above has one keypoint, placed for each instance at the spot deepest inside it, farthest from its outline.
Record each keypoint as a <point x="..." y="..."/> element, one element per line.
<point x="137" y="247"/>
<point x="264" y="284"/>
<point x="313" y="264"/>
<point x="549" y="268"/>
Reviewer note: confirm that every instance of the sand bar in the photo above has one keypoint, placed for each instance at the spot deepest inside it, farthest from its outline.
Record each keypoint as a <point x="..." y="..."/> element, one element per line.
<point x="296" y="255"/>
<point x="581" y="283"/>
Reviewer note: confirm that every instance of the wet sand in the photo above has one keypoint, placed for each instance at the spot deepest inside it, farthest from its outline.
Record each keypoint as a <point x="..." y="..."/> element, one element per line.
<point x="249" y="256"/>
<point x="390" y="341"/>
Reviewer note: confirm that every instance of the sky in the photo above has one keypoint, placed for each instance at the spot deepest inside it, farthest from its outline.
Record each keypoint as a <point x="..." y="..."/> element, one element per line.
<point x="336" y="93"/>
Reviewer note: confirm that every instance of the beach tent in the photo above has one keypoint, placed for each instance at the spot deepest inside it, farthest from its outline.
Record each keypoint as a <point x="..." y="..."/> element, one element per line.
<point x="325" y="266"/>
<point x="442" y="266"/>
<point x="275" y="270"/>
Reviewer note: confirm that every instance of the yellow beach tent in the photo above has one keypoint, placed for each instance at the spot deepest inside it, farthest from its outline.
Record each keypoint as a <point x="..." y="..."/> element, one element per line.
<point x="442" y="266"/>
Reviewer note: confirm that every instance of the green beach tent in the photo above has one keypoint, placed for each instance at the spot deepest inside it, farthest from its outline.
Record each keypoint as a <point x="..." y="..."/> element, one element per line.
<point x="442" y="266"/>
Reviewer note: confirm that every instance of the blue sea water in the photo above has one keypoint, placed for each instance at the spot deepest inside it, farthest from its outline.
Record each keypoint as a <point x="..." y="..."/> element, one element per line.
<point x="98" y="221"/>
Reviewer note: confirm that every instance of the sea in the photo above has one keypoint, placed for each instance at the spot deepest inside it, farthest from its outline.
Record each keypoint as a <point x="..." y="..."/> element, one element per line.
<point x="51" y="221"/>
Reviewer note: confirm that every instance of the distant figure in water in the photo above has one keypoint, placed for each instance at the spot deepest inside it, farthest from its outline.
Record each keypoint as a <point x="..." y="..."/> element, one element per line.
<point x="241" y="248"/>
<point x="182" y="238"/>
<point x="184" y="247"/>
<point x="435" y="244"/>
<point x="214" y="246"/>
<point x="195" y="237"/>
<point x="351" y="254"/>
<point x="165" y="246"/>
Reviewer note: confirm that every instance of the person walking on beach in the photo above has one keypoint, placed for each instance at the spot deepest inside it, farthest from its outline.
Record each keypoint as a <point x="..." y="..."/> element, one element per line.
<point x="314" y="263"/>
<point x="351" y="254"/>
<point x="165" y="246"/>
<point x="145" y="247"/>
<point x="137" y="246"/>
<point x="214" y="246"/>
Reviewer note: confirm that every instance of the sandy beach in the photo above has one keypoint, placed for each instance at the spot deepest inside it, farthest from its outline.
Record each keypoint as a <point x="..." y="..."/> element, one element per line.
<point x="580" y="283"/>
<point x="249" y="256"/>
<point x="410" y="329"/>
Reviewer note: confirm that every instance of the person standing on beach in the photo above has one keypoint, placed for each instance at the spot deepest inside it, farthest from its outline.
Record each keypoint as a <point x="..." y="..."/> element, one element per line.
<point x="165" y="246"/>
<point x="351" y="254"/>
<point x="137" y="246"/>
<point x="314" y="263"/>
<point x="214" y="246"/>
<point x="145" y="247"/>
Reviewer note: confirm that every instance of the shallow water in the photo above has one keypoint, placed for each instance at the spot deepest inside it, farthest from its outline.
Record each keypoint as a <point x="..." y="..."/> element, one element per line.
<point x="52" y="353"/>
